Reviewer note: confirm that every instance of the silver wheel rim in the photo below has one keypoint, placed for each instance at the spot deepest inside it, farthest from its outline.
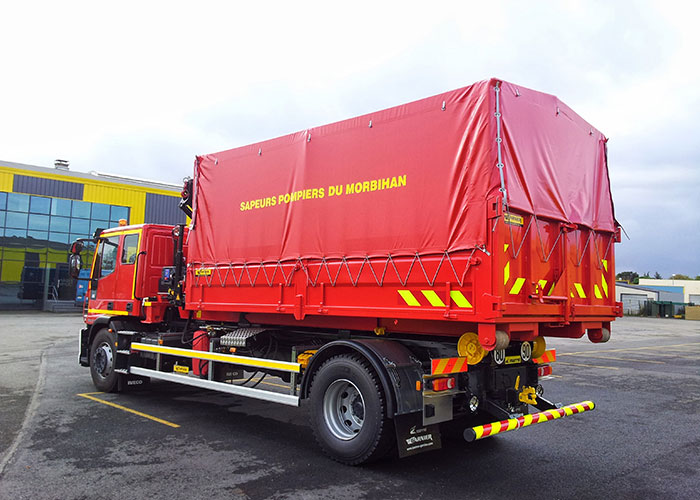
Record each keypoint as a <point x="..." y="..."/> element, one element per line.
<point x="103" y="359"/>
<point x="343" y="409"/>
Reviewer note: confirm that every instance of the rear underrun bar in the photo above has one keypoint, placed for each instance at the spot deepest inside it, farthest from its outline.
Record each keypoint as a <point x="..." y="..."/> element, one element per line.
<point x="484" y="431"/>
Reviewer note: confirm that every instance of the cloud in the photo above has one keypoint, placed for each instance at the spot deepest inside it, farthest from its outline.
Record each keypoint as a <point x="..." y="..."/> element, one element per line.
<point x="141" y="88"/>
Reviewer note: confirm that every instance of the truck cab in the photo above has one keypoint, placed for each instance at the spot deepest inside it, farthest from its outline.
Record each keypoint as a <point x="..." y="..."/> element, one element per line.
<point x="126" y="270"/>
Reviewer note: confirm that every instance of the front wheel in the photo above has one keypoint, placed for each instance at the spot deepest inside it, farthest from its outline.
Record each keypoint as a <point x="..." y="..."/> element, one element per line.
<point x="348" y="410"/>
<point x="102" y="361"/>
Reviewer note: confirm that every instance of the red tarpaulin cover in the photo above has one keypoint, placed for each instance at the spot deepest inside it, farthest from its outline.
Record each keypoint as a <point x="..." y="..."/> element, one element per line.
<point x="410" y="179"/>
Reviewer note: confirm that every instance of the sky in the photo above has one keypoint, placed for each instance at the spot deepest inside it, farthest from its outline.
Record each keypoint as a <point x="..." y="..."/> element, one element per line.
<point x="140" y="88"/>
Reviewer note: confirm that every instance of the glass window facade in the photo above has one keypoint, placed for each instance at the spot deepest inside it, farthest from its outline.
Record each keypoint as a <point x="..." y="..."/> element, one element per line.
<point x="35" y="237"/>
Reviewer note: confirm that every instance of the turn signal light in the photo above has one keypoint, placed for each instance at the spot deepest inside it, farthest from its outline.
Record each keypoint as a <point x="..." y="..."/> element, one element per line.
<point x="443" y="384"/>
<point x="544" y="370"/>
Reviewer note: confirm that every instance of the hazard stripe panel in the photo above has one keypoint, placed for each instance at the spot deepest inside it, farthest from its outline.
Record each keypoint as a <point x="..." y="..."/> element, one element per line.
<point x="459" y="299"/>
<point x="408" y="297"/>
<point x="445" y="366"/>
<point x="549" y="356"/>
<point x="517" y="286"/>
<point x="483" y="431"/>
<point x="604" y="284"/>
<point x="433" y="299"/>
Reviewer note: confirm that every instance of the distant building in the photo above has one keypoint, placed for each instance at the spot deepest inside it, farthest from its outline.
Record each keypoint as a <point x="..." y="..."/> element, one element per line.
<point x="42" y="210"/>
<point x="633" y="297"/>
<point x="687" y="291"/>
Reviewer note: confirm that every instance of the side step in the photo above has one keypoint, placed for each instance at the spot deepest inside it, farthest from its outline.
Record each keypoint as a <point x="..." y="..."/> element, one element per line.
<point x="238" y="390"/>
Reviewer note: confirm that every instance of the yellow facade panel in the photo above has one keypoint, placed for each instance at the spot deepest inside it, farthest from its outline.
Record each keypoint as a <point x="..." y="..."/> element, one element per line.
<point x="80" y="180"/>
<point x="11" y="270"/>
<point x="135" y="200"/>
<point x="6" y="181"/>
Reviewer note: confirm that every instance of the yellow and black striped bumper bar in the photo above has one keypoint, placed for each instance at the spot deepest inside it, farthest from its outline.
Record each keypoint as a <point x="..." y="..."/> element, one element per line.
<point x="484" y="431"/>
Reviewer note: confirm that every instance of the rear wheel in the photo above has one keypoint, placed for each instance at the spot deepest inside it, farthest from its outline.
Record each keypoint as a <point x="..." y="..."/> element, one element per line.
<point x="102" y="361"/>
<point x="348" y="410"/>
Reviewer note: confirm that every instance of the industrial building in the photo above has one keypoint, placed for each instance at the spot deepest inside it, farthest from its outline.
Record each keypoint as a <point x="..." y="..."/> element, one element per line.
<point x="687" y="291"/>
<point x="634" y="298"/>
<point x="42" y="210"/>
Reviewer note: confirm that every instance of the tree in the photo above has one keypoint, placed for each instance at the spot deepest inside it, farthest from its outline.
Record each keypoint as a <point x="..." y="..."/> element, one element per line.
<point x="628" y="276"/>
<point x="679" y="277"/>
<point x="657" y="276"/>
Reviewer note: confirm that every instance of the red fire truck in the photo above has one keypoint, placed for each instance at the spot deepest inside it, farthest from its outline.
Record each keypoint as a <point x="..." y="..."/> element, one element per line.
<point x="399" y="270"/>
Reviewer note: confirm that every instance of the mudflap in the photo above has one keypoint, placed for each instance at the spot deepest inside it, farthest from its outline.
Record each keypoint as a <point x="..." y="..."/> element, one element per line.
<point x="412" y="437"/>
<point x="83" y="348"/>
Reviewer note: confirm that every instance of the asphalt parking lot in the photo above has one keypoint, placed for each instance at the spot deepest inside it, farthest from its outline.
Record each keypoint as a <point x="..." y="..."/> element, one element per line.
<point x="61" y="439"/>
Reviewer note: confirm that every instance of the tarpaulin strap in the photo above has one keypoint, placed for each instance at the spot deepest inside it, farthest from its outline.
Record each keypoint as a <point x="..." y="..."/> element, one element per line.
<point x="466" y="268"/>
<point x="223" y="279"/>
<point x="195" y="189"/>
<point x="583" y="252"/>
<point x="522" y="241"/>
<point x="244" y="270"/>
<point x="425" y="272"/>
<point x="546" y="256"/>
<point x="279" y="266"/>
<point x="227" y="271"/>
<point x="607" y="249"/>
<point x="403" y="282"/>
<point x="499" y="140"/>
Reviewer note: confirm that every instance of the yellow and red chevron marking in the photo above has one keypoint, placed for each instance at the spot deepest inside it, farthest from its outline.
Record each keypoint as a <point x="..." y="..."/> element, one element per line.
<point x="445" y="366"/>
<point x="549" y="356"/>
<point x="483" y="431"/>
<point x="429" y="297"/>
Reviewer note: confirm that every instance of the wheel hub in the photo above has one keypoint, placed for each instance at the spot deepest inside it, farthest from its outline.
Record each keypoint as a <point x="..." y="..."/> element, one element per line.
<point x="103" y="360"/>
<point x="343" y="409"/>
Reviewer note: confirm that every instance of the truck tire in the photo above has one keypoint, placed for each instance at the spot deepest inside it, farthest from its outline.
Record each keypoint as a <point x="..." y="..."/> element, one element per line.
<point x="102" y="357"/>
<point x="348" y="411"/>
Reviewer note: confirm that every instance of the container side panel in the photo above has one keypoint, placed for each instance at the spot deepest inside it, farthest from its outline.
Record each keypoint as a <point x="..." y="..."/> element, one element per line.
<point x="410" y="179"/>
<point x="555" y="162"/>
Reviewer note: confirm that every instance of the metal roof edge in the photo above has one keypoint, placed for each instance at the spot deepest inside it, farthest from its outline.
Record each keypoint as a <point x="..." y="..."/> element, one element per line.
<point x="96" y="176"/>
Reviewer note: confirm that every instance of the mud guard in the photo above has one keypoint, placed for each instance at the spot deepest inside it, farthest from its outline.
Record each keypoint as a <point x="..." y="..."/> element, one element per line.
<point x="397" y="368"/>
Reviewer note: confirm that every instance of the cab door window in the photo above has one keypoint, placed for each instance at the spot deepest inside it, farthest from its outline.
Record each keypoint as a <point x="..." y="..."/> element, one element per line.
<point x="108" y="255"/>
<point x="130" y="248"/>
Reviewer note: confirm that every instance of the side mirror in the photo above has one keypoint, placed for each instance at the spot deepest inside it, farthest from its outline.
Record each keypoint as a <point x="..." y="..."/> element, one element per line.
<point x="76" y="247"/>
<point x="75" y="264"/>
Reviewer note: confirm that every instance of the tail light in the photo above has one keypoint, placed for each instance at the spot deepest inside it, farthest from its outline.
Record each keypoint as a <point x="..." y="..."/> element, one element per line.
<point x="544" y="370"/>
<point x="443" y="384"/>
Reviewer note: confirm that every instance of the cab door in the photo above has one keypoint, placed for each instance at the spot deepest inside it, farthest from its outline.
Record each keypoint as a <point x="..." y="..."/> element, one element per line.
<point x="104" y="276"/>
<point x="112" y="285"/>
<point x="126" y="269"/>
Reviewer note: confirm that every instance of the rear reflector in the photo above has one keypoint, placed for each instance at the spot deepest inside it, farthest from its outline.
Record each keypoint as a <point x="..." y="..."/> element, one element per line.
<point x="549" y="356"/>
<point x="446" y="366"/>
<point x="443" y="384"/>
